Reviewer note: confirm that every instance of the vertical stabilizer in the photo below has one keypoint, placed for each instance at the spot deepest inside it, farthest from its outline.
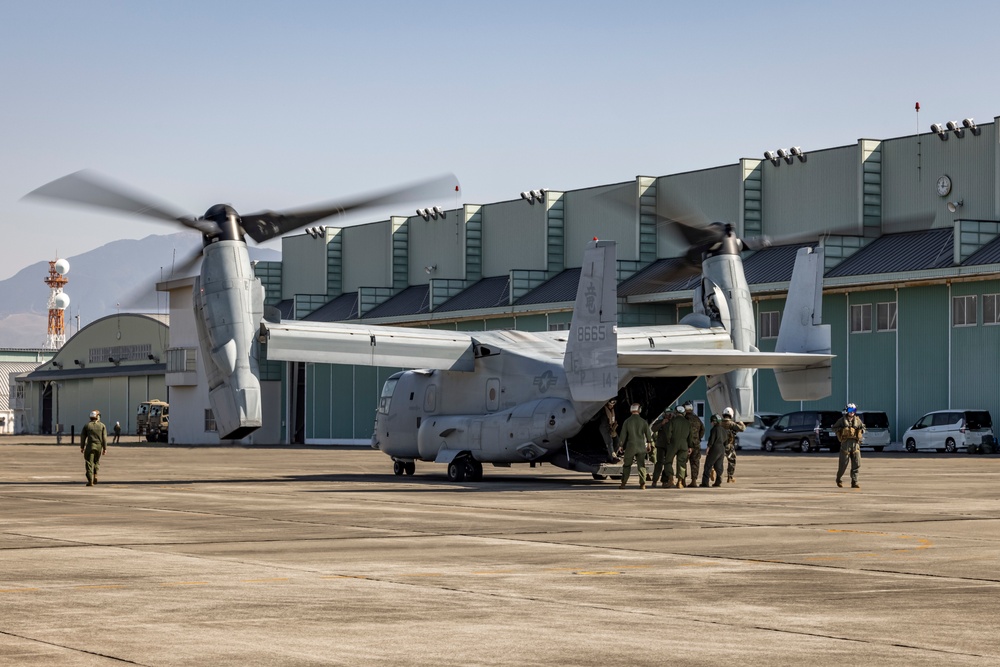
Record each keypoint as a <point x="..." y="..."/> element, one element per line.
<point x="802" y="330"/>
<point x="591" y="360"/>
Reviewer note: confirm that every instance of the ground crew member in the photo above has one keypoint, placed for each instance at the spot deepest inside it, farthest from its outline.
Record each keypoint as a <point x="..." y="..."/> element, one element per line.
<point x="698" y="432"/>
<point x="636" y="440"/>
<point x="118" y="432"/>
<point x="716" y="454"/>
<point x="678" y="439"/>
<point x="93" y="443"/>
<point x="658" y="452"/>
<point x="850" y="431"/>
<point x="734" y="428"/>
<point x="608" y="427"/>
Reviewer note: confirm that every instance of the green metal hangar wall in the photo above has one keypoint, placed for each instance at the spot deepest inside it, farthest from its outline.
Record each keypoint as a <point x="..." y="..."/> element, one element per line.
<point x="111" y="365"/>
<point x="911" y="288"/>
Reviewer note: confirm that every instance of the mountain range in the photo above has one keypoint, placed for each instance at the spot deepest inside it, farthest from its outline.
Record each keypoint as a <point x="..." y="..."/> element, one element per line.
<point x="121" y="272"/>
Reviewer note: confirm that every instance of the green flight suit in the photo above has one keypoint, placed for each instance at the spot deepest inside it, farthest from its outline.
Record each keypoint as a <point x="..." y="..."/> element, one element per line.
<point x="694" y="456"/>
<point x="850" y="431"/>
<point x="634" y="436"/>
<point x="677" y="438"/>
<point x="718" y="438"/>
<point x="734" y="428"/>
<point x="93" y="443"/>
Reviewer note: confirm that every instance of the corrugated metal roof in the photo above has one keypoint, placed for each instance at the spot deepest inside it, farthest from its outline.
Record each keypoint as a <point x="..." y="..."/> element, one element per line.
<point x="772" y="265"/>
<point x="487" y="293"/>
<point x="287" y="309"/>
<point x="344" y="307"/>
<point x="988" y="254"/>
<point x="910" y="251"/>
<point x="656" y="278"/>
<point x="413" y="300"/>
<point x="103" y="371"/>
<point x="560" y="288"/>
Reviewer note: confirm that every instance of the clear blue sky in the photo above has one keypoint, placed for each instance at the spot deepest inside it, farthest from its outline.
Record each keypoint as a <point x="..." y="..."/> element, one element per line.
<point x="282" y="104"/>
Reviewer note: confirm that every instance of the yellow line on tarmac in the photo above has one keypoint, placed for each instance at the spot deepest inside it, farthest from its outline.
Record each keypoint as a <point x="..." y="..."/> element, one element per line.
<point x="17" y="590"/>
<point x="186" y="583"/>
<point x="100" y="586"/>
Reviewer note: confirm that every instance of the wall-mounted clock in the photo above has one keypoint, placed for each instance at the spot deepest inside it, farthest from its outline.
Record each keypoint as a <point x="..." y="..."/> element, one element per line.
<point x="943" y="185"/>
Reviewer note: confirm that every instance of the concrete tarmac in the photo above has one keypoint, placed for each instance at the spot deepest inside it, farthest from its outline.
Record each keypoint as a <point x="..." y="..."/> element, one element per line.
<point x="320" y="556"/>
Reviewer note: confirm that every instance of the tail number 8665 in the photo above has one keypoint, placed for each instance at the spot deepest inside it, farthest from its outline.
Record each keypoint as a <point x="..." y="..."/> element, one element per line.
<point x="594" y="333"/>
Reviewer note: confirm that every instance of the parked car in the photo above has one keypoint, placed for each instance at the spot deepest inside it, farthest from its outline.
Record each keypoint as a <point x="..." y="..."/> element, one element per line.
<point x="950" y="431"/>
<point x="804" y="431"/>
<point x="753" y="436"/>
<point x="877" y="434"/>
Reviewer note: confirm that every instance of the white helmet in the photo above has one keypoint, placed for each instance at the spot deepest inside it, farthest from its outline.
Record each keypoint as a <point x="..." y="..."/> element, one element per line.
<point x="635" y="407"/>
<point x="851" y="407"/>
<point x="680" y="409"/>
<point x="728" y="412"/>
<point x="94" y="414"/>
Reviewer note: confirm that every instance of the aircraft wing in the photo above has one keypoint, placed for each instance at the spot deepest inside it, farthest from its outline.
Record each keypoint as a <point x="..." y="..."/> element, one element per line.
<point x="335" y="343"/>
<point x="685" y="363"/>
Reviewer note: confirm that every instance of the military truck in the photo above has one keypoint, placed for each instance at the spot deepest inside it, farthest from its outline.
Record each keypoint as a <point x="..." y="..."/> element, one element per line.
<point x="152" y="420"/>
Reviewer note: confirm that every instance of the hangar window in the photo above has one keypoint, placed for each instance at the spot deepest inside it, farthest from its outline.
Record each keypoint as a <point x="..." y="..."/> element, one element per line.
<point x="562" y="326"/>
<point x="991" y="309"/>
<point x="210" y="421"/>
<point x="963" y="311"/>
<point x="861" y="318"/>
<point x="885" y="316"/>
<point x="770" y="322"/>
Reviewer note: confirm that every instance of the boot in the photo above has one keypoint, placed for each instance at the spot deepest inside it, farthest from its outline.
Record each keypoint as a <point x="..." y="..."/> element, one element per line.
<point x="704" y="485"/>
<point x="711" y="477"/>
<point x="840" y="484"/>
<point x="653" y="484"/>
<point x="680" y="484"/>
<point x="855" y="485"/>
<point x="730" y="479"/>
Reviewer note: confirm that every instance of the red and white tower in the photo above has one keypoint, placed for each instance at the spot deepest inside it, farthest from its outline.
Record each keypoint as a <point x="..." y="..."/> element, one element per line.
<point x="58" y="302"/>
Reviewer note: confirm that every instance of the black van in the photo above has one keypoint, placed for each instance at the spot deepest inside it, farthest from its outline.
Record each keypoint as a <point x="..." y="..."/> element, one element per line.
<point x="803" y="431"/>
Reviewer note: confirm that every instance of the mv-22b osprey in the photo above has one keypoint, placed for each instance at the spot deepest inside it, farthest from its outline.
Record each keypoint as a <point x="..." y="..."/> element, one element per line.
<point x="498" y="397"/>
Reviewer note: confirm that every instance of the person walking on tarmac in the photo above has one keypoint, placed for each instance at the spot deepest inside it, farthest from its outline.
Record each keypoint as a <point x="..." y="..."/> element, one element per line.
<point x="93" y="443"/>
<point x="635" y="441"/>
<point x="716" y="453"/>
<point x="678" y="440"/>
<point x="850" y="431"/>
<point x="118" y="432"/>
<point x="697" y="433"/>
<point x="728" y="419"/>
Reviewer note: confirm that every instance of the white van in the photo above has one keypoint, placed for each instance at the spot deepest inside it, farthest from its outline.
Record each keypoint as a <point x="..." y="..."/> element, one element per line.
<point x="876" y="429"/>
<point x="950" y="431"/>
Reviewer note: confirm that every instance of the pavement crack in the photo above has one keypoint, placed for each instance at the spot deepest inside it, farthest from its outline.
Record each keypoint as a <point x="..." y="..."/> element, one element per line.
<point x="72" y="648"/>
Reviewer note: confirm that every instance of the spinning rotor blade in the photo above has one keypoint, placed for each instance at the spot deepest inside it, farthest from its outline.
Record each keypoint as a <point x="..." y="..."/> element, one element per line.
<point x="269" y="224"/>
<point x="90" y="189"/>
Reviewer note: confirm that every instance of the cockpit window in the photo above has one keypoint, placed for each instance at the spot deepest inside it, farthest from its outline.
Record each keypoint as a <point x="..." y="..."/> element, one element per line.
<point x="386" y="399"/>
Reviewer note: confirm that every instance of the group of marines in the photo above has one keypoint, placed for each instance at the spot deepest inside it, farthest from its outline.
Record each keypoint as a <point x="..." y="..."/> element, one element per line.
<point x="674" y="441"/>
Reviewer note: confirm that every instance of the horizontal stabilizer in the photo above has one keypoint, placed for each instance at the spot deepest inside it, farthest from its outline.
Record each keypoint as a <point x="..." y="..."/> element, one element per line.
<point x="685" y="363"/>
<point x="802" y="330"/>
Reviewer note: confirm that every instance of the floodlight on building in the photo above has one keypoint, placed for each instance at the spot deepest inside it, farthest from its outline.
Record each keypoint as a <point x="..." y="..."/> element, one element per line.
<point x="785" y="156"/>
<point x="971" y="126"/>
<point x="953" y="206"/>
<point x="57" y="365"/>
<point x="797" y="152"/>
<point x="430" y="269"/>
<point x="152" y="357"/>
<point x="439" y="211"/>
<point x="768" y="155"/>
<point x="528" y="197"/>
<point x="79" y="363"/>
<point x="424" y="213"/>
<point x="112" y="360"/>
<point x="953" y="127"/>
<point x="531" y="196"/>
<point x="938" y="130"/>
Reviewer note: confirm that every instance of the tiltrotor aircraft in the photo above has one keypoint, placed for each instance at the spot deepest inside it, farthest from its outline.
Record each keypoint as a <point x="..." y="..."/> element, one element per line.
<point x="498" y="397"/>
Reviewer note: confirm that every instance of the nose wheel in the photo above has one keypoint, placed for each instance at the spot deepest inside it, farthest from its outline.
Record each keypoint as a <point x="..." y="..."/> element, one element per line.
<point x="465" y="468"/>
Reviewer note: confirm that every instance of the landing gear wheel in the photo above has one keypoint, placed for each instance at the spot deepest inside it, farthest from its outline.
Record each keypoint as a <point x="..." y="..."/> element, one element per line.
<point x="409" y="468"/>
<point x="599" y="478"/>
<point x="949" y="446"/>
<point x="804" y="446"/>
<point x="878" y="449"/>
<point x="456" y="471"/>
<point x="473" y="470"/>
<point x="768" y="446"/>
<point x="911" y="445"/>
<point x="986" y="448"/>
<point x="397" y="468"/>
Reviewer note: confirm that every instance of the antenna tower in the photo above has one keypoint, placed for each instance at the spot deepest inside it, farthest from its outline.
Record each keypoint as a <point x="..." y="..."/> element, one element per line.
<point x="58" y="302"/>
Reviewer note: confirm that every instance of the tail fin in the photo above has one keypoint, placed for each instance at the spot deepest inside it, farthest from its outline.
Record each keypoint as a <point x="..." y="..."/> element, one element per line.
<point x="591" y="361"/>
<point x="802" y="330"/>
